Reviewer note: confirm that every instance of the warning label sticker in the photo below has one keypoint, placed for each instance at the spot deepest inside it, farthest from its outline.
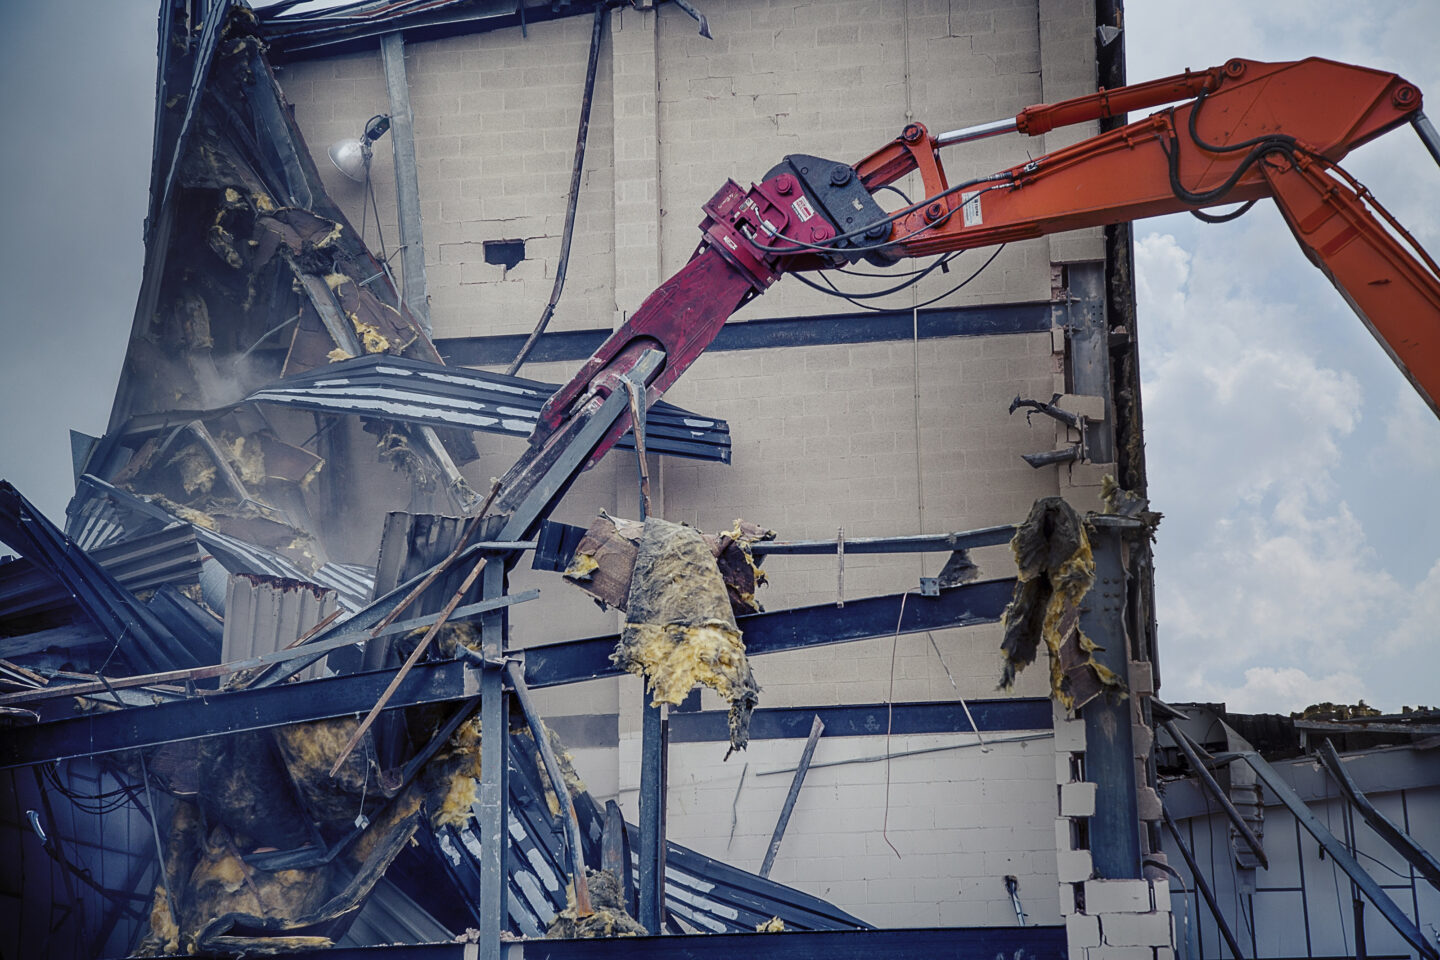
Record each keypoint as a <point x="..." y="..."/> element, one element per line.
<point x="802" y="209"/>
<point x="971" y="209"/>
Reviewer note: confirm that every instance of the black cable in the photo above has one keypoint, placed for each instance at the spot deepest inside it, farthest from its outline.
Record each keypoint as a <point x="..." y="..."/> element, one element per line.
<point x="1259" y="147"/>
<point x="1276" y="144"/>
<point x="831" y="292"/>
<point x="915" y="277"/>
<point x="109" y="801"/>
<point x="1235" y="214"/>
<point x="897" y="191"/>
<point x="947" y="257"/>
<point x="1228" y="148"/>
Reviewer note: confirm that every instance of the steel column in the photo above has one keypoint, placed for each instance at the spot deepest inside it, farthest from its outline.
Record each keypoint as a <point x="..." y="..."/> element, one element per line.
<point x="1109" y="749"/>
<point x="652" y="817"/>
<point x="490" y="808"/>
<point x="1082" y="314"/>
<point x="407" y="179"/>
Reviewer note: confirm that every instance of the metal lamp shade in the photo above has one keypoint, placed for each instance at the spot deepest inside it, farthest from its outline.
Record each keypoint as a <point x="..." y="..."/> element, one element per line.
<point x="349" y="158"/>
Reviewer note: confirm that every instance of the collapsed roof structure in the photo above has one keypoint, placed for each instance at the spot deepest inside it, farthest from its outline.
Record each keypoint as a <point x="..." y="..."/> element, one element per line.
<point x="273" y="688"/>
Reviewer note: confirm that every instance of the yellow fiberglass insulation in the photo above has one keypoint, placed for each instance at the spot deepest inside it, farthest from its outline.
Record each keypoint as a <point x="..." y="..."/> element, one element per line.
<point x="566" y="762"/>
<point x="228" y="906"/>
<point x="608" y="917"/>
<point x="773" y="925"/>
<point x="452" y="779"/>
<point x="680" y="630"/>
<point x="310" y="749"/>
<point x="1056" y="571"/>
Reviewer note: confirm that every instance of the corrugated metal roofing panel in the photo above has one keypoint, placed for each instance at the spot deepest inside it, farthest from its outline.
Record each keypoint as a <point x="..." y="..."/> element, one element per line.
<point x="103" y="512"/>
<point x="166" y="556"/>
<point x="264" y="614"/>
<point x="709" y="894"/>
<point x="413" y="391"/>
<point x="142" y="637"/>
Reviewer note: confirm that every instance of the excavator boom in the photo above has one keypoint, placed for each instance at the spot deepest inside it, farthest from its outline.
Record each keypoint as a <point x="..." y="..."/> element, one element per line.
<point x="1236" y="133"/>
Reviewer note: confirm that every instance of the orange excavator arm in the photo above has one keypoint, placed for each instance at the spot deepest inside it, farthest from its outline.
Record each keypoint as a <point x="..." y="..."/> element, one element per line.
<point x="1232" y="134"/>
<point x="1248" y="131"/>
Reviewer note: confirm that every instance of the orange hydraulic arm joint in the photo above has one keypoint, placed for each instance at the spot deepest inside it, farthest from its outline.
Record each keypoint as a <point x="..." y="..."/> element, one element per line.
<point x="1248" y="130"/>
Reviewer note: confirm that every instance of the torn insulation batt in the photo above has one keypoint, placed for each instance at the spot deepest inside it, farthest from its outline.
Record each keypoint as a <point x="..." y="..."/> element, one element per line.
<point x="680" y="629"/>
<point x="1056" y="571"/>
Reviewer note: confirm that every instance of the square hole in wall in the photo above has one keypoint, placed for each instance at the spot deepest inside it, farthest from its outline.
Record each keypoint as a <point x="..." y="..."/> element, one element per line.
<point x="506" y="253"/>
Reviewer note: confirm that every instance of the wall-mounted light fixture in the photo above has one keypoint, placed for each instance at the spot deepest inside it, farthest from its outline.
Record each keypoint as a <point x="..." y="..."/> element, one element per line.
<point x="352" y="156"/>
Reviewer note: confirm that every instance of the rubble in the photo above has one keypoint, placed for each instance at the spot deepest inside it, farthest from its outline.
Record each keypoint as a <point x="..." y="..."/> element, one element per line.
<point x="608" y="918"/>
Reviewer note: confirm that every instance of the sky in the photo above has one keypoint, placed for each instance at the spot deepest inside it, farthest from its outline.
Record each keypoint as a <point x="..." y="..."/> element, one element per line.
<point x="1299" y="558"/>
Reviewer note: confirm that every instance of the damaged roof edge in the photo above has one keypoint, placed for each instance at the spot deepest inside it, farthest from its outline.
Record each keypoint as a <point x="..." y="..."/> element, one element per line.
<point x="358" y="26"/>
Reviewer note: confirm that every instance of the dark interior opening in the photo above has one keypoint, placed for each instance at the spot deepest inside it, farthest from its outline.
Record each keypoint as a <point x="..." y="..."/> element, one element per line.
<point x="507" y="253"/>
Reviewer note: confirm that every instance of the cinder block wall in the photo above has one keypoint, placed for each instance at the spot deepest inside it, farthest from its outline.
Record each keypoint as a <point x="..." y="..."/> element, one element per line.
<point x="878" y="438"/>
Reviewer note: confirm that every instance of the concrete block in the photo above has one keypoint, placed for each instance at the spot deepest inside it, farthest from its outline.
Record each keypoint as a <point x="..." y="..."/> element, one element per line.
<point x="1090" y="474"/>
<point x="1073" y="866"/>
<point x="1067" y="899"/>
<point x="1081" y="405"/>
<point x="1064" y="834"/>
<point x="1142" y="678"/>
<point x="1120" y="953"/>
<point x="1117" y="896"/>
<point x="1136" y="929"/>
<point x="1082" y="931"/>
<point x="1083" y="499"/>
<point x="1077" y="799"/>
<point x="1142" y="738"/>
<point x="1148" y="803"/>
<point x="1070" y="736"/>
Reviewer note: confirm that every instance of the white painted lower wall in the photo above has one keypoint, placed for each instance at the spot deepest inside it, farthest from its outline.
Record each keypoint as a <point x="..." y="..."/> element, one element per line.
<point x="960" y="819"/>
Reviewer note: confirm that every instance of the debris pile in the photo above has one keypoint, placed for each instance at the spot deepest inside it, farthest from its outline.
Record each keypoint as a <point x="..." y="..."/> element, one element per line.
<point x="608" y="916"/>
<point x="269" y="854"/>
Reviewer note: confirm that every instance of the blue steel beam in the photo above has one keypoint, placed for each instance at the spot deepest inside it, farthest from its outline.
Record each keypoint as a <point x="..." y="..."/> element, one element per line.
<point x="962" y="606"/>
<point x="212" y="714"/>
<point x="552" y="665"/>
<point x="1400" y="841"/>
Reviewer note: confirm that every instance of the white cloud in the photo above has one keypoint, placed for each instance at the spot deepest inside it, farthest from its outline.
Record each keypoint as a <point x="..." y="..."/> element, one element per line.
<point x="1261" y="566"/>
<point x="1417" y="634"/>
<point x="1410" y="431"/>
<point x="1295" y="467"/>
<point x="1289" y="689"/>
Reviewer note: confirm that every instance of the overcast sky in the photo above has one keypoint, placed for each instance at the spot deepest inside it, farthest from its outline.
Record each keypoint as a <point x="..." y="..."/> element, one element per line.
<point x="1299" y="559"/>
